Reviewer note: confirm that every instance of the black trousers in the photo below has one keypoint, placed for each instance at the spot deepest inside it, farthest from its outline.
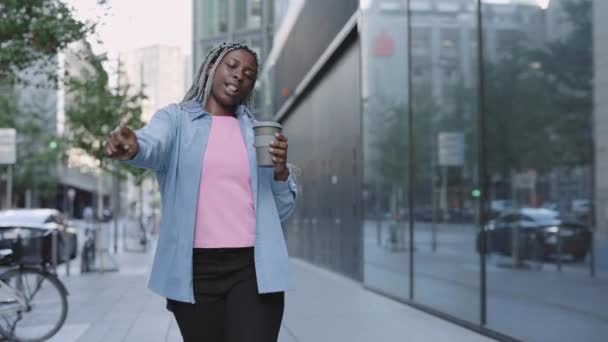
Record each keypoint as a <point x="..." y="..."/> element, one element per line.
<point x="228" y="307"/>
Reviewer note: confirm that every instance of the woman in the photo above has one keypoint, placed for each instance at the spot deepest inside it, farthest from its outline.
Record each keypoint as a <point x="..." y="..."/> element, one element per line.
<point x="221" y="259"/>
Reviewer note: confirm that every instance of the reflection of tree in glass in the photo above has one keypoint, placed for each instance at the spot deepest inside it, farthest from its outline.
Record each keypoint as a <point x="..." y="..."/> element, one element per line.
<point x="390" y="148"/>
<point x="567" y="72"/>
<point x="538" y="100"/>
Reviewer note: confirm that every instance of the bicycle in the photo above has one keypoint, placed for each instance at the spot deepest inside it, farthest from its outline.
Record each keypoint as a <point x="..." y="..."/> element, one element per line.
<point x="33" y="301"/>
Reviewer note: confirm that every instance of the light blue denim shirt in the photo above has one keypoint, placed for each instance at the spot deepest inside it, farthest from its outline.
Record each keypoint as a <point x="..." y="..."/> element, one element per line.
<point x="173" y="145"/>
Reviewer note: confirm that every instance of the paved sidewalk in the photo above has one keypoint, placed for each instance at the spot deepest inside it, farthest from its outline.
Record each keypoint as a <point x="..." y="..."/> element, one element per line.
<point x="323" y="307"/>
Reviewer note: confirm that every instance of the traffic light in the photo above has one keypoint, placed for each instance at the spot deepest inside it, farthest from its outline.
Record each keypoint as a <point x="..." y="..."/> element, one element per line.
<point x="476" y="193"/>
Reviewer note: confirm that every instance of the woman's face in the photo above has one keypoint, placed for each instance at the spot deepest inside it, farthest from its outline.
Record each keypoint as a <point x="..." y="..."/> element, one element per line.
<point x="234" y="78"/>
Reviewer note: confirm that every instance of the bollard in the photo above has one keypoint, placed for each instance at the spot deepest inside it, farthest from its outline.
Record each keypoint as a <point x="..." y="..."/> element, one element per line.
<point x="433" y="236"/>
<point x="54" y="249"/>
<point x="515" y="247"/>
<point x="592" y="253"/>
<point x="379" y="233"/>
<point x="559" y="248"/>
<point x="98" y="252"/>
<point x="67" y="265"/>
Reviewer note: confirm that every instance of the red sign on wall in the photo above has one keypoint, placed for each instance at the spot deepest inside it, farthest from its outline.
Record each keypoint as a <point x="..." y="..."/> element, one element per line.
<point x="383" y="45"/>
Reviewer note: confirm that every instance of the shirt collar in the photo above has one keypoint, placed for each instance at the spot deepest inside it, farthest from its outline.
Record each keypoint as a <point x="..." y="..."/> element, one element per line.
<point x="195" y="110"/>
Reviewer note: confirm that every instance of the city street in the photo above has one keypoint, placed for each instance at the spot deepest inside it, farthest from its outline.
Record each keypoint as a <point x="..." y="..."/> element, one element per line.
<point x="521" y="298"/>
<point x="324" y="306"/>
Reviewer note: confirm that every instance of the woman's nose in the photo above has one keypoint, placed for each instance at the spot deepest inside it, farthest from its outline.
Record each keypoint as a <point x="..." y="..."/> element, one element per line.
<point x="237" y="74"/>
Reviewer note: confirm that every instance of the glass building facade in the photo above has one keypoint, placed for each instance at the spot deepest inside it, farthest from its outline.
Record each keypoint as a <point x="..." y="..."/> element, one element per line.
<point x="479" y="163"/>
<point x="454" y="157"/>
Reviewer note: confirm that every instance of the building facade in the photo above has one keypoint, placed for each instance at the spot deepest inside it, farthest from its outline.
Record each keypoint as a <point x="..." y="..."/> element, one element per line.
<point x="248" y="21"/>
<point x="44" y="104"/>
<point x="160" y="71"/>
<point x="434" y="137"/>
<point x="600" y="114"/>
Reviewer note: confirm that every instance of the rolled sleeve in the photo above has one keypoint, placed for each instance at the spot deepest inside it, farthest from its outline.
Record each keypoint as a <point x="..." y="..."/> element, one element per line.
<point x="285" y="193"/>
<point x="139" y="160"/>
<point x="282" y="187"/>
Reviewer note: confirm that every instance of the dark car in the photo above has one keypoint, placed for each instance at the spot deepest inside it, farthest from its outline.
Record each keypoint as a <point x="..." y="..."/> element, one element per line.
<point x="33" y="228"/>
<point x="540" y="232"/>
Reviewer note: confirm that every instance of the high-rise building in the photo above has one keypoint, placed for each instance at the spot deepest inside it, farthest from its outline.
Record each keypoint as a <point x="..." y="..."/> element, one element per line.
<point x="248" y="21"/>
<point x="48" y="102"/>
<point x="160" y="71"/>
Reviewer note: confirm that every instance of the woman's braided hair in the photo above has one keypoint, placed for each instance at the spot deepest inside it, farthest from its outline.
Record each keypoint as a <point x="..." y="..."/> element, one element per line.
<point x="201" y="87"/>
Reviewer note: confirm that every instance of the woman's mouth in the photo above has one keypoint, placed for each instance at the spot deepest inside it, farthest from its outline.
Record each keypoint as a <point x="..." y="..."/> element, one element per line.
<point x="232" y="90"/>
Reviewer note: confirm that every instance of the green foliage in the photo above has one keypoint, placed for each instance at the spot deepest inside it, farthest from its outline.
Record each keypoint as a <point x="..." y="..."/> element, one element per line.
<point x="95" y="109"/>
<point x="539" y="100"/>
<point x="33" y="31"/>
<point x="33" y="155"/>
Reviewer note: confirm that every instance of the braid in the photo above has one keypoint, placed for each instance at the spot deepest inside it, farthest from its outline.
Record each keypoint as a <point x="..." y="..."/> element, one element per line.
<point x="201" y="87"/>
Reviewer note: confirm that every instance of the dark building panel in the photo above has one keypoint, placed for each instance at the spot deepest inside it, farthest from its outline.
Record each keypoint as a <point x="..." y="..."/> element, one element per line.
<point x="324" y="131"/>
<point x="317" y="25"/>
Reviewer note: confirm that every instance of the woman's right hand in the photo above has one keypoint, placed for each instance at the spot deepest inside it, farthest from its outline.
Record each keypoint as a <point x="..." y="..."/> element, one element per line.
<point x="122" y="144"/>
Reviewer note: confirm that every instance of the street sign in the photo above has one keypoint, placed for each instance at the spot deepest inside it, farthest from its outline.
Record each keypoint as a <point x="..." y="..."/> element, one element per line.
<point x="524" y="180"/>
<point x="8" y="146"/>
<point x="451" y="149"/>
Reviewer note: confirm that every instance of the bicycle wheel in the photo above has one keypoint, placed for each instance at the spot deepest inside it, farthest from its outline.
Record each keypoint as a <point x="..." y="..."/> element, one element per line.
<point x="45" y="309"/>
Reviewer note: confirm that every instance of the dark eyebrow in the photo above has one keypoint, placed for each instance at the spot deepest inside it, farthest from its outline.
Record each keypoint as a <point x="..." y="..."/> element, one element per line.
<point x="233" y="59"/>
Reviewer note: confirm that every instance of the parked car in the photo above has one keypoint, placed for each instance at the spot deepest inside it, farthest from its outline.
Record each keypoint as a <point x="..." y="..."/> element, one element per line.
<point x="499" y="206"/>
<point x="539" y="233"/>
<point x="32" y="227"/>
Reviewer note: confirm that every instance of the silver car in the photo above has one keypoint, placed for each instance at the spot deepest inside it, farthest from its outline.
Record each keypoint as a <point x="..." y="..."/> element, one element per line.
<point x="33" y="227"/>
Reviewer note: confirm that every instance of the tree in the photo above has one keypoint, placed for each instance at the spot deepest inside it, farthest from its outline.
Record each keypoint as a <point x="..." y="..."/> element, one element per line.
<point x="94" y="109"/>
<point x="36" y="149"/>
<point x="32" y="32"/>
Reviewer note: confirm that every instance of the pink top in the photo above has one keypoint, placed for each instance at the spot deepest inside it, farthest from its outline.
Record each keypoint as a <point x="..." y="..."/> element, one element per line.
<point x="225" y="216"/>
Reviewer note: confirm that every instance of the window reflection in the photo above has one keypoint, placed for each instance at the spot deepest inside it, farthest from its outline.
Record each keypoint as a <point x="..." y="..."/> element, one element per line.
<point x="540" y="165"/>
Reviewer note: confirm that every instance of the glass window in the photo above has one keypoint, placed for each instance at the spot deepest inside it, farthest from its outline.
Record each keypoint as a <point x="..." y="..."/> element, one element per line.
<point x="386" y="151"/>
<point x="544" y="79"/>
<point x="222" y="18"/>
<point x="446" y="164"/>
<point x="208" y="21"/>
<point x="539" y="155"/>
<point x="248" y="14"/>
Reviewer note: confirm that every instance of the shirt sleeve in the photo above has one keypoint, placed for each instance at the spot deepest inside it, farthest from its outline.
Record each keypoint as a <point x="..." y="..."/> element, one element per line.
<point x="155" y="141"/>
<point x="285" y="193"/>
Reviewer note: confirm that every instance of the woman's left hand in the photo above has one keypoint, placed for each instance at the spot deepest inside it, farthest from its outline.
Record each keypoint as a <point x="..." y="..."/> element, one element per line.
<point x="278" y="149"/>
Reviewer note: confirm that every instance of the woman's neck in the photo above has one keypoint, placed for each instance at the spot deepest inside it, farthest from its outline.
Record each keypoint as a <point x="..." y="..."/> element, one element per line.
<point x="214" y="108"/>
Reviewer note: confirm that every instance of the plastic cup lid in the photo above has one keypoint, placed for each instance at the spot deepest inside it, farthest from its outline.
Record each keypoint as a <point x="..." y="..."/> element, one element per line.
<point x="267" y="124"/>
